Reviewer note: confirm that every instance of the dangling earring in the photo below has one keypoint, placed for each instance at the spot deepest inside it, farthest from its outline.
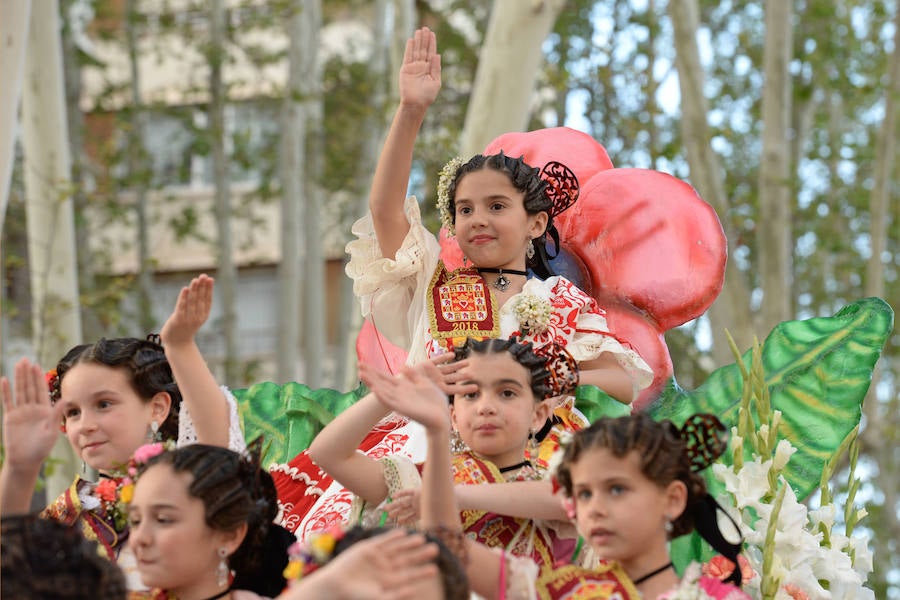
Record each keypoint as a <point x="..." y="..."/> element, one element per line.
<point x="465" y="261"/>
<point x="668" y="526"/>
<point x="222" y="571"/>
<point x="532" y="448"/>
<point x="155" y="435"/>
<point x="529" y="249"/>
<point x="457" y="445"/>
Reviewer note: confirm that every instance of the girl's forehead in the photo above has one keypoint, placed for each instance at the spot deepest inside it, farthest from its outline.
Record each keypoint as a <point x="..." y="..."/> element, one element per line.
<point x="484" y="182"/>
<point x="497" y="366"/>
<point x="601" y="463"/>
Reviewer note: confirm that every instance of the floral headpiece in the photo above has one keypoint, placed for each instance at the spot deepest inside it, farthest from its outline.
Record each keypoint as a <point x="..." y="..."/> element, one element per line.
<point x="304" y="558"/>
<point x="562" y="189"/>
<point x="445" y="178"/>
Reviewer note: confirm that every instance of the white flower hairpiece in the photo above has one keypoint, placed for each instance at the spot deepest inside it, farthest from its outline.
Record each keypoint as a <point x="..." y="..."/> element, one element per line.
<point x="448" y="173"/>
<point x="533" y="313"/>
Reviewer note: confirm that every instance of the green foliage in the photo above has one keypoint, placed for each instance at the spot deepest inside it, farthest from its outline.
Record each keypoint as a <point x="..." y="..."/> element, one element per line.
<point x="817" y="373"/>
<point x="289" y="416"/>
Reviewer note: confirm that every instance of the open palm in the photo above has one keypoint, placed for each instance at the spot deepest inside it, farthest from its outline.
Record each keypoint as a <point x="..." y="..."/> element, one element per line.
<point x="30" y="422"/>
<point x="420" y="75"/>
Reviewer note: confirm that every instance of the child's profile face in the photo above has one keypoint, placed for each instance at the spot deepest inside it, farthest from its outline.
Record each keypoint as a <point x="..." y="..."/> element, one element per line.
<point x="492" y="226"/>
<point x="495" y="420"/>
<point x="619" y="511"/>
<point x="175" y="549"/>
<point x="105" y="418"/>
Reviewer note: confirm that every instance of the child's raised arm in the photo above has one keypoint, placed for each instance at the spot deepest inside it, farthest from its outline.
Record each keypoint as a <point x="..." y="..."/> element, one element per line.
<point x="200" y="393"/>
<point x="30" y="428"/>
<point x="420" y="81"/>
<point x="334" y="450"/>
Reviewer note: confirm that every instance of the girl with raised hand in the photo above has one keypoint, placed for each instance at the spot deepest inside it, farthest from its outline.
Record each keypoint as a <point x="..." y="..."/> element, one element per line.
<point x="631" y="485"/>
<point x="498" y="390"/>
<point x="501" y="211"/>
<point x="112" y="397"/>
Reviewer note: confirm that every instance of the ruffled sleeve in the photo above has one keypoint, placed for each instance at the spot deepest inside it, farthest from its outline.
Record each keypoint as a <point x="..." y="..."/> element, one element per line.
<point x="187" y="433"/>
<point x="391" y="292"/>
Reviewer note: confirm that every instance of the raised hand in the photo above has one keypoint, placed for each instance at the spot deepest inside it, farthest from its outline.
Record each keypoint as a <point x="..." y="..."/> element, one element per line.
<point x="389" y="566"/>
<point x="414" y="393"/>
<point x="420" y="74"/>
<point x="191" y="311"/>
<point x="30" y="422"/>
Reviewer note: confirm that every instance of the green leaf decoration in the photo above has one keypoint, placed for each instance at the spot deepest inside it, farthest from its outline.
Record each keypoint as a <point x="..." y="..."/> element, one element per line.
<point x="288" y="416"/>
<point x="817" y="373"/>
<point x="595" y="403"/>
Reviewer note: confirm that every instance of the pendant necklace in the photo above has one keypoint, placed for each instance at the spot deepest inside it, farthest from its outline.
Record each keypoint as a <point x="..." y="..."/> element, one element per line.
<point x="502" y="282"/>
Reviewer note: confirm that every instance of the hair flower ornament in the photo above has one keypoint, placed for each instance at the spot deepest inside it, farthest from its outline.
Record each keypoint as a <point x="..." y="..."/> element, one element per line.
<point x="445" y="178"/>
<point x="304" y="558"/>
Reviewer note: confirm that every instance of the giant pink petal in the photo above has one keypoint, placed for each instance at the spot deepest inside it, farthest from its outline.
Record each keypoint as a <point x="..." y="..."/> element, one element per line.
<point x="647" y="238"/>
<point x="578" y="151"/>
<point x="374" y="349"/>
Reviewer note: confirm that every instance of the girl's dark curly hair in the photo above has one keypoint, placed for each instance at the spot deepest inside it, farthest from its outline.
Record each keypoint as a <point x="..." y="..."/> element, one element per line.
<point x="143" y="360"/>
<point x="522" y="352"/>
<point x="662" y="453"/>
<point x="453" y="574"/>
<point x="524" y="178"/>
<point x="235" y="490"/>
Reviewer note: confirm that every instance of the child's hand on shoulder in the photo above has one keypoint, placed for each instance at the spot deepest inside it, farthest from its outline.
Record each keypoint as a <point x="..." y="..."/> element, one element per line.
<point x="191" y="311"/>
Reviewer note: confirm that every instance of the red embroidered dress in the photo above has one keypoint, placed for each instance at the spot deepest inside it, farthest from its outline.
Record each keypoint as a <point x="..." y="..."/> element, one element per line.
<point x="415" y="302"/>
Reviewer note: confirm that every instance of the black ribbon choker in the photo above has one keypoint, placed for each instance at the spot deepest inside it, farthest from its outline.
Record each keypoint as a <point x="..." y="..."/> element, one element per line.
<point x="652" y="574"/>
<point x="502" y="283"/>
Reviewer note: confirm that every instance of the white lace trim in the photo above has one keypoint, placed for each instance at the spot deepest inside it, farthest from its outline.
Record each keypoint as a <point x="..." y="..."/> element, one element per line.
<point x="187" y="433"/>
<point x="391" y="291"/>
<point x="400" y="473"/>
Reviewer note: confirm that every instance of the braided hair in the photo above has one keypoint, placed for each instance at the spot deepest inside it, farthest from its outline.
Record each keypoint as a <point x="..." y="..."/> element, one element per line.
<point x="235" y="490"/>
<point x="522" y="352"/>
<point x="143" y="360"/>
<point x="662" y="452"/>
<point x="526" y="179"/>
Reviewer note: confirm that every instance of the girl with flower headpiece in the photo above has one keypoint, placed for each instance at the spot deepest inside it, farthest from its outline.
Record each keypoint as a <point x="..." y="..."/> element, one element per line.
<point x="111" y="397"/>
<point x="497" y="394"/>
<point x="501" y="211"/>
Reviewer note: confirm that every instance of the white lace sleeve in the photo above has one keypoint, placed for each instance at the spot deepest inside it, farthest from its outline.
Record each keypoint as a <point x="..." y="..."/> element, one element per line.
<point x="187" y="434"/>
<point x="391" y="292"/>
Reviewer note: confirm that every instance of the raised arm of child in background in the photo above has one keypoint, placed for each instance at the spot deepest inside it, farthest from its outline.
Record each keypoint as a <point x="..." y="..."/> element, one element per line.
<point x="420" y="82"/>
<point x="208" y="405"/>
<point x="334" y="448"/>
<point x="417" y="395"/>
<point x="30" y="428"/>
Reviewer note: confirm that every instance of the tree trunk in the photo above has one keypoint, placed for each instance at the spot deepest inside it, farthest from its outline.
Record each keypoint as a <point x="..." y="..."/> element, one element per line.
<point x="373" y="131"/>
<point x="226" y="273"/>
<point x="314" y="339"/>
<point x="732" y="309"/>
<point x="507" y="68"/>
<point x="882" y="417"/>
<point x="136" y="176"/>
<point x="14" y="18"/>
<point x="774" y="237"/>
<point x="293" y="159"/>
<point x="56" y="322"/>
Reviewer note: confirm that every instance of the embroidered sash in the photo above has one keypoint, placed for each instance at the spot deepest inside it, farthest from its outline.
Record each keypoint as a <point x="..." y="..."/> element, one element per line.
<point x="67" y="509"/>
<point x="460" y="305"/>
<point x="607" y="582"/>
<point x="520" y="537"/>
